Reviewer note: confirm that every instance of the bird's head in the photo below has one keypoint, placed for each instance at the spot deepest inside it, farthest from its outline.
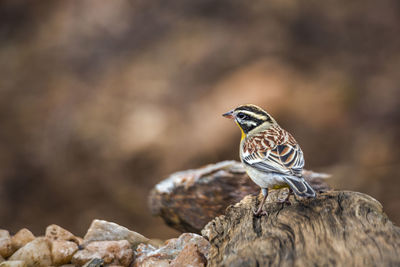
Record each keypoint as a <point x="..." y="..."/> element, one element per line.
<point x="249" y="117"/>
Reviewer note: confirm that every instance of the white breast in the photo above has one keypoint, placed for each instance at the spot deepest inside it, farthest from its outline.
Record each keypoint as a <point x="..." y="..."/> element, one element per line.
<point x="262" y="179"/>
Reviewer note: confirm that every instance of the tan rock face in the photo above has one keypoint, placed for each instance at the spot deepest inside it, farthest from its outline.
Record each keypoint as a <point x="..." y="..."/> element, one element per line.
<point x="188" y="249"/>
<point x="55" y="232"/>
<point x="102" y="231"/>
<point x="21" y="238"/>
<point x="13" y="264"/>
<point x="36" y="253"/>
<point x="112" y="252"/>
<point x="5" y="244"/>
<point x="62" y="251"/>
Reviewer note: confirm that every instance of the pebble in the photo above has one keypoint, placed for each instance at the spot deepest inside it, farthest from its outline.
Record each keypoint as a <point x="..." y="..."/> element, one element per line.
<point x="106" y="231"/>
<point x="190" y="256"/>
<point x="35" y="253"/>
<point x="94" y="263"/>
<point x="62" y="251"/>
<point x="13" y="264"/>
<point x="21" y="238"/>
<point x="112" y="252"/>
<point x="55" y="232"/>
<point x="188" y="249"/>
<point x="5" y="244"/>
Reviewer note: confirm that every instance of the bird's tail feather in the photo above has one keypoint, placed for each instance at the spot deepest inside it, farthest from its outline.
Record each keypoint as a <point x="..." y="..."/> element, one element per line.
<point x="299" y="186"/>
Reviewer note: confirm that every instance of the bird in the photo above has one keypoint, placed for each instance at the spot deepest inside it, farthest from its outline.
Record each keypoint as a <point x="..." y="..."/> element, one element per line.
<point x="271" y="156"/>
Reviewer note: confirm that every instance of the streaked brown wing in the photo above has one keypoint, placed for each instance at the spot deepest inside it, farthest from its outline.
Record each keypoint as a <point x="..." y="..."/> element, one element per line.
<point x="277" y="152"/>
<point x="291" y="157"/>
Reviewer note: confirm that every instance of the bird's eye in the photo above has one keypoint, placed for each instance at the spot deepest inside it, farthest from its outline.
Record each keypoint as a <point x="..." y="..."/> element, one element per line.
<point x="241" y="116"/>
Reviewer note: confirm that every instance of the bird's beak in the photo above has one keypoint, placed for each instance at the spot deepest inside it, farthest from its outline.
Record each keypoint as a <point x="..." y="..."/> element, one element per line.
<point x="228" y="115"/>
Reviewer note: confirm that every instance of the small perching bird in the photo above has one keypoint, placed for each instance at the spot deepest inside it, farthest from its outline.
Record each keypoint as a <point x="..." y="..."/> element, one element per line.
<point x="271" y="156"/>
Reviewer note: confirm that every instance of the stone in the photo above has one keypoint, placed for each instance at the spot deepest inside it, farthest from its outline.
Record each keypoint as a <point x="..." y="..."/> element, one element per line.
<point x="188" y="200"/>
<point x="101" y="230"/>
<point x="5" y="244"/>
<point x="35" y="253"/>
<point x="111" y="252"/>
<point x="13" y="264"/>
<point x="337" y="228"/>
<point x="194" y="248"/>
<point x="190" y="256"/>
<point x="62" y="251"/>
<point x="21" y="238"/>
<point x="55" y="232"/>
<point x="94" y="263"/>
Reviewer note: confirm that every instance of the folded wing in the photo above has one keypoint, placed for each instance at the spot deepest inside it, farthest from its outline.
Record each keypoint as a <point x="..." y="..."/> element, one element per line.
<point x="286" y="159"/>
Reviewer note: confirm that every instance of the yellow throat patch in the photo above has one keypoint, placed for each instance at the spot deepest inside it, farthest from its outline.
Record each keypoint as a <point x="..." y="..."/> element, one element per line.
<point x="243" y="134"/>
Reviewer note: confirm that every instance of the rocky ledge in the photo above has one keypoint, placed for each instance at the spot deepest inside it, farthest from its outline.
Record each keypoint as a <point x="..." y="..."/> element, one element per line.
<point x="338" y="228"/>
<point x="188" y="200"/>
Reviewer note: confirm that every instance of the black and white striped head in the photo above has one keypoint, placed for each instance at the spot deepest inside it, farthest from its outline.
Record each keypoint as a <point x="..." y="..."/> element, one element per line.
<point x="249" y="117"/>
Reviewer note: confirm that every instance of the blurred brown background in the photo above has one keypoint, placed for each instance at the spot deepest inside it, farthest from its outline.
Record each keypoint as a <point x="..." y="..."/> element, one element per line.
<point x="100" y="100"/>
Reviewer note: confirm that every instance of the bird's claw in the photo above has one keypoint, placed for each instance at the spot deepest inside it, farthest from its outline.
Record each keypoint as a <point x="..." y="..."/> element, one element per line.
<point x="260" y="213"/>
<point x="285" y="201"/>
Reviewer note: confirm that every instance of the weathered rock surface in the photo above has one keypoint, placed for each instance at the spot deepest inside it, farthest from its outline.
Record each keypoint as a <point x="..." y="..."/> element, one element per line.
<point x="35" y="253"/>
<point x="188" y="200"/>
<point x="105" y="231"/>
<point x="335" y="229"/>
<point x="5" y="244"/>
<point x="111" y="252"/>
<point x="187" y="250"/>
<point x="21" y="238"/>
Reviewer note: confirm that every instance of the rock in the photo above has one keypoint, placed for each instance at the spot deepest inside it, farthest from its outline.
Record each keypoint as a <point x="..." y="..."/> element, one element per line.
<point x="190" y="256"/>
<point x="5" y="244"/>
<point x="21" y="238"/>
<point x="94" y="263"/>
<point x="62" y="251"/>
<point x="334" y="229"/>
<point x="112" y="252"/>
<point x="1" y="259"/>
<point x="13" y="264"/>
<point x="35" y="253"/>
<point x="188" y="200"/>
<point x="185" y="249"/>
<point x="55" y="232"/>
<point x="108" y="231"/>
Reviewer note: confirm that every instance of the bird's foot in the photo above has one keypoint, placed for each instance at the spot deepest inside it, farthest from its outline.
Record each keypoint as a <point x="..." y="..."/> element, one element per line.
<point x="285" y="201"/>
<point x="259" y="213"/>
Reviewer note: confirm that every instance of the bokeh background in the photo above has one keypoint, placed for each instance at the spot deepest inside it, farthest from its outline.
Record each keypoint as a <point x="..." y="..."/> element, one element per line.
<point x="100" y="100"/>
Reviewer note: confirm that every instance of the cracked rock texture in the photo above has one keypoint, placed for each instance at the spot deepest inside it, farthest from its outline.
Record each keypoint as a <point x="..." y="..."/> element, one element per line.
<point x="188" y="200"/>
<point x="335" y="229"/>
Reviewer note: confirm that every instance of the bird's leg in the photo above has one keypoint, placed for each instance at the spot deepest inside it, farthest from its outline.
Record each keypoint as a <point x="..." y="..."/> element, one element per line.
<point x="259" y="211"/>
<point x="286" y="200"/>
